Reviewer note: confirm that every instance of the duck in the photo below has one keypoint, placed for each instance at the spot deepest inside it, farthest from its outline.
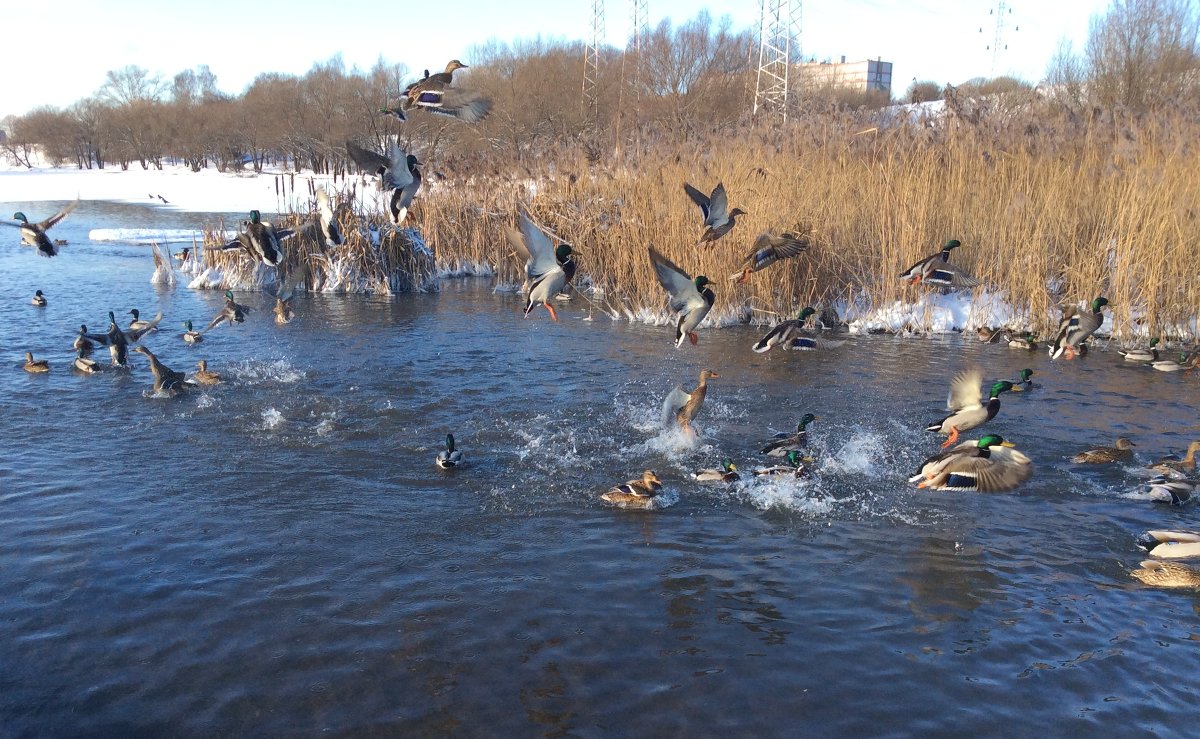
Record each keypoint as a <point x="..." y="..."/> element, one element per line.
<point x="727" y="473"/>
<point x="115" y="339"/>
<point x="1121" y="450"/>
<point x="231" y="312"/>
<point x="1075" y="328"/>
<point x="1164" y="490"/>
<point x="639" y="493"/>
<point x="166" y="380"/>
<point x="1172" y="464"/>
<point x="1167" y="574"/>
<point x="548" y="268"/>
<point x="331" y="235"/>
<point x="1185" y="362"/>
<point x="34" y="234"/>
<point x="260" y="239"/>
<point x="1149" y="354"/>
<point x="794" y="334"/>
<point x="1027" y="342"/>
<point x="965" y="400"/>
<point x="691" y="299"/>
<point x="137" y="324"/>
<point x="783" y="443"/>
<point x="398" y="173"/>
<point x="793" y="466"/>
<point x="85" y="365"/>
<point x="936" y="269"/>
<point x="449" y="457"/>
<point x="718" y="219"/>
<point x="83" y="345"/>
<point x="682" y="406"/>
<point x="1170" y="544"/>
<point x="38" y="299"/>
<point x="989" y="335"/>
<point x="1024" y="381"/>
<point x="283" y="298"/>
<point x="204" y="376"/>
<point x="191" y="336"/>
<point x="988" y="465"/>
<point x="35" y="365"/>
<point x="436" y="94"/>
<point x="767" y="250"/>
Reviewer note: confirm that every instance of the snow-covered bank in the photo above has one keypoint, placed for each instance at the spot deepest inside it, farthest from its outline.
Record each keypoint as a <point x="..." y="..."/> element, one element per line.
<point x="152" y="235"/>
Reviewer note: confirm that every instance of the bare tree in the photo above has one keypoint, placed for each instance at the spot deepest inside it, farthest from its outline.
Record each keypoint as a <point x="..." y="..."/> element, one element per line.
<point x="131" y="84"/>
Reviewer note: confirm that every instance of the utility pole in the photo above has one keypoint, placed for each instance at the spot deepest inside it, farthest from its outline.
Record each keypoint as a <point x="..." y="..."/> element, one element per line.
<point x="780" y="24"/>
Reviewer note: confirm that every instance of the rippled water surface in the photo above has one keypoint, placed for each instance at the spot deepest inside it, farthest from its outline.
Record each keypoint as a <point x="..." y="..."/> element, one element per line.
<point x="278" y="554"/>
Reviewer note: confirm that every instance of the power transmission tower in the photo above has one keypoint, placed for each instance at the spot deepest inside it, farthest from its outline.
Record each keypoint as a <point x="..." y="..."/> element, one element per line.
<point x="780" y="24"/>
<point x="591" y="62"/>
<point x="631" y="70"/>
<point x="1002" y="14"/>
<point x="641" y="32"/>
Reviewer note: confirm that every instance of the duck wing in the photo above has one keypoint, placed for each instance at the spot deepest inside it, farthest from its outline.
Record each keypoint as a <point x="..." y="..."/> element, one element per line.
<point x="769" y="249"/>
<point x="951" y="276"/>
<point x="718" y="206"/>
<point x="777" y="335"/>
<point x="698" y="198"/>
<point x="1004" y="469"/>
<point x="58" y="216"/>
<point x="468" y="106"/>
<point x="679" y="286"/>
<point x="673" y="403"/>
<point x="964" y="390"/>
<point x="135" y="335"/>
<point x="368" y="160"/>
<point x="536" y="246"/>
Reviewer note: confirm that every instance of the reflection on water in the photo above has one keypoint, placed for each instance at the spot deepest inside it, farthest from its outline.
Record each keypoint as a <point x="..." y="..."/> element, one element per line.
<point x="278" y="554"/>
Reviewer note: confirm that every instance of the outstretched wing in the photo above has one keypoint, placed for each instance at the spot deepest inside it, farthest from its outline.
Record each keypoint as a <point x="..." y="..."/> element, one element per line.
<point x="468" y="106"/>
<point x="676" y="282"/>
<point x="135" y="335"/>
<point x="718" y="205"/>
<point x="774" y="336"/>
<point x="674" y="402"/>
<point x="537" y="247"/>
<point x="964" y="390"/>
<point x="58" y="216"/>
<point x="369" y="160"/>
<point x="698" y="198"/>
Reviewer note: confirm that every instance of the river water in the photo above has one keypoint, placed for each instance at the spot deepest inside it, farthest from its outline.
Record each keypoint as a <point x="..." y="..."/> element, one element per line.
<point x="279" y="555"/>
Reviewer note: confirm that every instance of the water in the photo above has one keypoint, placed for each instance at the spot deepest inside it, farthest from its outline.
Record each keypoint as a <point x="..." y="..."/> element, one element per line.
<point x="279" y="555"/>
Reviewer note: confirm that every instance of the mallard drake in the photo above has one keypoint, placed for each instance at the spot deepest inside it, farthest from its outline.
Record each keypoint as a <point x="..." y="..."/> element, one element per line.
<point x="965" y="400"/>
<point x="1170" y="544"/>
<point x="34" y="234"/>
<point x="1163" y="490"/>
<point x="1075" y="328"/>
<point x="783" y="443"/>
<point x="1172" y="464"/>
<point x="682" y="406"/>
<point x="38" y="299"/>
<point x="1027" y="342"/>
<point x="1167" y="574"/>
<point x="794" y="334"/>
<point x="83" y="345"/>
<point x="727" y="473"/>
<point x="1024" y="382"/>
<point x="331" y="235"/>
<point x="137" y="324"/>
<point x="936" y="269"/>
<point x="718" y="218"/>
<point x="689" y="298"/>
<point x="435" y="94"/>
<point x="231" y="312"/>
<point x="449" y="457"/>
<point x="1185" y="362"/>
<point x="191" y="336"/>
<point x="85" y="365"/>
<point x="989" y="465"/>
<point x="116" y="340"/>
<point x="635" y="493"/>
<point x="793" y="466"/>
<point x="204" y="376"/>
<point x="166" y="380"/>
<point x="260" y="239"/>
<point x="769" y="249"/>
<point x="1149" y="354"/>
<point x="397" y="172"/>
<point x="548" y="268"/>
<point x="1121" y="450"/>
<point x="35" y="365"/>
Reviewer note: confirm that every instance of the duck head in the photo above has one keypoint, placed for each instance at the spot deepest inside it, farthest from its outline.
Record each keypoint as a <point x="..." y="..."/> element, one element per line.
<point x="651" y="478"/>
<point x="1154" y="342"/>
<point x="134" y="312"/>
<point x="737" y="212"/>
<point x="563" y="253"/>
<point x="727" y="465"/>
<point x="37" y="293"/>
<point x="255" y="216"/>
<point x="701" y="281"/>
<point x="1124" y="444"/>
<point x="807" y="419"/>
<point x="19" y="216"/>
<point x="454" y="64"/>
<point x="450" y="442"/>
<point x="1026" y="374"/>
<point x="187" y="325"/>
<point x="112" y="320"/>
<point x="203" y="365"/>
<point x="991" y="440"/>
<point x="707" y="374"/>
<point x="1099" y="303"/>
<point x="413" y="162"/>
<point x="229" y="293"/>
<point x="1000" y="387"/>
<point x="793" y="458"/>
<point x="804" y="314"/>
<point x="951" y="244"/>
<point x="83" y="328"/>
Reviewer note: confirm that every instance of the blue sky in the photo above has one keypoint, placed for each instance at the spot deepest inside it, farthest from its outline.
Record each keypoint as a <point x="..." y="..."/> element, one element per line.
<point x="67" y="45"/>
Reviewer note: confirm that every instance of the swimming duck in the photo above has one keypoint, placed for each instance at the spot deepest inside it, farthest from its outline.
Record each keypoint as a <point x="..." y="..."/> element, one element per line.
<point x="1028" y="342"/>
<point x="718" y="219"/>
<point x="38" y="299"/>
<point x="1164" y="490"/>
<point x="331" y="235"/>
<point x="166" y="380"/>
<point x="1075" y="327"/>
<point x="137" y="324"/>
<point x="231" y="312"/>
<point x="1120" y="451"/>
<point x="936" y="269"/>
<point x="449" y="457"/>
<point x="987" y="466"/>
<point x="397" y="172"/>
<point x="989" y="335"/>
<point x="85" y="365"/>
<point x="1149" y="354"/>
<point x="1172" y="464"/>
<point x="793" y="466"/>
<point x="1185" y="362"/>
<point x="1167" y="574"/>
<point x="784" y="442"/>
<point x="34" y="234"/>
<point x="1170" y="544"/>
<point x="35" y="365"/>
<point x="548" y="268"/>
<point x="769" y="249"/>
<point x="204" y="376"/>
<point x="190" y="336"/>
<point x="965" y="400"/>
<point x="635" y="493"/>
<point x="727" y="473"/>
<point x="1024" y="382"/>
<point x="83" y="345"/>
<point x="794" y="334"/>
<point x="260" y="240"/>
<point x="682" y="407"/>
<point x="689" y="298"/>
<point x="435" y="94"/>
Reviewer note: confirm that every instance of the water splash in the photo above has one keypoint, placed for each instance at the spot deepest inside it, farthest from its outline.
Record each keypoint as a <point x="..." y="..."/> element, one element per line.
<point x="252" y="371"/>
<point x="272" y="419"/>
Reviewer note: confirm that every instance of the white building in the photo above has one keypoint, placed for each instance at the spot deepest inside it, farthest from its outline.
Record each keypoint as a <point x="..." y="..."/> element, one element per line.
<point x="870" y="74"/>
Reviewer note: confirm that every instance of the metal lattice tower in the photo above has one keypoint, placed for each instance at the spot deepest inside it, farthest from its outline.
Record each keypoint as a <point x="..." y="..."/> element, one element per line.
<point x="591" y="61"/>
<point x="1002" y="13"/>
<point x="780" y="24"/>
<point x="640" y="17"/>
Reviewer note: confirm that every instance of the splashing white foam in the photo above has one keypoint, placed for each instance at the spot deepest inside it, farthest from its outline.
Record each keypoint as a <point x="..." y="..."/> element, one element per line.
<point x="272" y="419"/>
<point x="790" y="493"/>
<point x="859" y="455"/>
<point x="256" y="370"/>
<point x="205" y="401"/>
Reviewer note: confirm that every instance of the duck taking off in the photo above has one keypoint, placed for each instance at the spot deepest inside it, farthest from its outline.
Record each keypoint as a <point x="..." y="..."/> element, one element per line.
<point x="966" y="401"/>
<point x="231" y="312"/>
<point x="691" y="299"/>
<point x="548" y="268"/>
<point x="936" y="269"/>
<point x="718" y="218"/>
<point x="988" y="465"/>
<point x="166" y="380"/>
<point x="397" y="174"/>
<point x="260" y="239"/>
<point x="682" y="406"/>
<point x="1075" y="328"/>
<point x="769" y="249"/>
<point x="435" y="94"/>
<point x="34" y="234"/>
